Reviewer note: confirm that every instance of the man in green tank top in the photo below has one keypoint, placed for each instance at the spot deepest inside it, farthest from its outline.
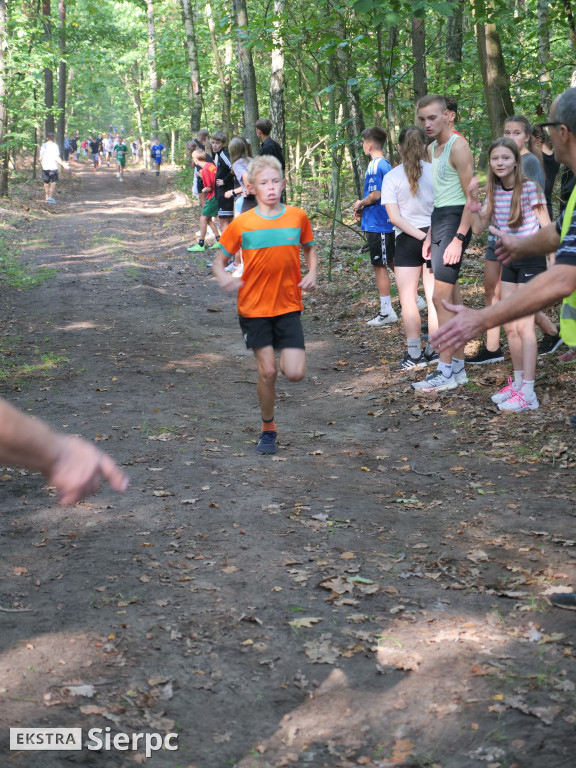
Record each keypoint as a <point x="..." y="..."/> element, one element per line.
<point x="449" y="233"/>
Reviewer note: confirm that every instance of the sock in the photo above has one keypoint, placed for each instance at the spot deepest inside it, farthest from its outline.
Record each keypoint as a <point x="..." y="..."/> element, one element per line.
<point x="518" y="379"/>
<point x="385" y="305"/>
<point x="200" y="242"/>
<point x="428" y="349"/>
<point x="217" y="238"/>
<point x="445" y="369"/>
<point x="457" y="365"/>
<point x="268" y="426"/>
<point x="528" y="389"/>
<point x="414" y="348"/>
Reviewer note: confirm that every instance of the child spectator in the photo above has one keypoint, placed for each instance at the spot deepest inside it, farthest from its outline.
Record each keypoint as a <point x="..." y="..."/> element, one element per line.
<point x="224" y="179"/>
<point x="269" y="292"/>
<point x="210" y="210"/>
<point x="515" y="205"/>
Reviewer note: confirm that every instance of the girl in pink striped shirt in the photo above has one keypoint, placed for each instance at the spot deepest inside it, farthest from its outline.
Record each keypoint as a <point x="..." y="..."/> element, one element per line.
<point x="516" y="205"/>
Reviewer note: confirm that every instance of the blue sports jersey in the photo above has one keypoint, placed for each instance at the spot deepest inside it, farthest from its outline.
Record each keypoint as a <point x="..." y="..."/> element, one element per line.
<point x="156" y="152"/>
<point x="374" y="217"/>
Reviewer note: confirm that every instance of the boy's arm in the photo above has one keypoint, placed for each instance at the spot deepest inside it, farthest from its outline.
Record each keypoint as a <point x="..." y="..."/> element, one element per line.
<point x="370" y="199"/>
<point x="461" y="159"/>
<point x="228" y="283"/>
<point x="308" y="282"/>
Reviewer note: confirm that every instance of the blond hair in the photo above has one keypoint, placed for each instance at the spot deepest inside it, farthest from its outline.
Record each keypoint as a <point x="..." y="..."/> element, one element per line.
<point x="199" y="154"/>
<point x="258" y="164"/>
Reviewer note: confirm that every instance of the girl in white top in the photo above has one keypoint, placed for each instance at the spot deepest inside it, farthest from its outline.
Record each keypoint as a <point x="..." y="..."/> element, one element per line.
<point x="515" y="205"/>
<point x="409" y="198"/>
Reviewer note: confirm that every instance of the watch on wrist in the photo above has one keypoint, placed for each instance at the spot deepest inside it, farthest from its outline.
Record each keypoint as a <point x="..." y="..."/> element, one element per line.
<point x="460" y="236"/>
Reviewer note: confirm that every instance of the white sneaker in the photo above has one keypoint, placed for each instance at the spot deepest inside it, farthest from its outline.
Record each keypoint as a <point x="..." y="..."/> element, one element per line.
<point x="120" y="178"/>
<point x="421" y="303"/>
<point x="380" y="319"/>
<point x="435" y="382"/>
<point x="519" y="402"/>
<point x="505" y="393"/>
<point x="460" y="377"/>
<point x="230" y="268"/>
<point x="239" y="271"/>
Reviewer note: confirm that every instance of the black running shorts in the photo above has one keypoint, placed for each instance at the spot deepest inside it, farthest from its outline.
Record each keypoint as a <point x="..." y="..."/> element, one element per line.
<point x="381" y="245"/>
<point x="49" y="177"/>
<point x="445" y="223"/>
<point x="409" y="250"/>
<point x="280" y="332"/>
<point x="522" y="272"/>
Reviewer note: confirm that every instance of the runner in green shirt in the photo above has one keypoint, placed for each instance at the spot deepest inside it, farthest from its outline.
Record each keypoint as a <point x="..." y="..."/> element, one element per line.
<point x="121" y="150"/>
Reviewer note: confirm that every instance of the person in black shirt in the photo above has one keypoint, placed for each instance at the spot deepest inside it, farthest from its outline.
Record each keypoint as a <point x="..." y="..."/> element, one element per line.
<point x="269" y="146"/>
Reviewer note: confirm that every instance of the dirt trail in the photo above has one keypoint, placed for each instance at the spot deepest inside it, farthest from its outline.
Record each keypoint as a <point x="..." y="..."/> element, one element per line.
<point x="370" y="596"/>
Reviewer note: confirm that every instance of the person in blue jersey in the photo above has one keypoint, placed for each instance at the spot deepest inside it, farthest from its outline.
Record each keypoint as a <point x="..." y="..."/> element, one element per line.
<point x="375" y="222"/>
<point x="156" y="154"/>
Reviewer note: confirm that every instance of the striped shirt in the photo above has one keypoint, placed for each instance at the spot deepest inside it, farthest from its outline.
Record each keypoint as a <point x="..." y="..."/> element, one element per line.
<point x="531" y="199"/>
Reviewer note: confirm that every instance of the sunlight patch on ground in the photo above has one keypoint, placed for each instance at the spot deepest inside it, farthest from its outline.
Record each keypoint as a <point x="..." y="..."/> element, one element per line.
<point x="87" y="324"/>
<point x="198" y="361"/>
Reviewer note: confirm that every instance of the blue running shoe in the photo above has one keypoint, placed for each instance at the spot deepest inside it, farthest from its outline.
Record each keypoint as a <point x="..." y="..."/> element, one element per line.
<point x="267" y="443"/>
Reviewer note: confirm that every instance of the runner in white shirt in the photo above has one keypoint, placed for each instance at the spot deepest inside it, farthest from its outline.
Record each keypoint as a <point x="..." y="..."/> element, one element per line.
<point x="108" y="148"/>
<point x="50" y="159"/>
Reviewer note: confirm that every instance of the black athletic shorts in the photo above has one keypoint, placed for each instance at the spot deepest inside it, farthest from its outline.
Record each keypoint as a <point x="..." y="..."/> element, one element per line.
<point x="225" y="204"/>
<point x="49" y="177"/>
<point x="409" y="250"/>
<point x="381" y="245"/>
<point x="280" y="332"/>
<point x="445" y="223"/>
<point x="248" y="203"/>
<point x="523" y="271"/>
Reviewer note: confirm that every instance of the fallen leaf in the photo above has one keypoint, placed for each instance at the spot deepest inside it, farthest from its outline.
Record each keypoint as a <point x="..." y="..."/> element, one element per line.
<point x="305" y="621"/>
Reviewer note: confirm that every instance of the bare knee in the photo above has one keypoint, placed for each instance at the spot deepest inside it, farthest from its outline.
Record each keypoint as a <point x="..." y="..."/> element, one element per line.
<point x="267" y="374"/>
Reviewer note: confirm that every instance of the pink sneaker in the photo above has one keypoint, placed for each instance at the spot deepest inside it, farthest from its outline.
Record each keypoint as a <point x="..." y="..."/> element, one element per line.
<point x="519" y="402"/>
<point x="505" y="393"/>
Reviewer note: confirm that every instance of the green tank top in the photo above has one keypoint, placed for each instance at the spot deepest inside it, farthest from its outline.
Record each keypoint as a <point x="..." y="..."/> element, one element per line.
<point x="447" y="187"/>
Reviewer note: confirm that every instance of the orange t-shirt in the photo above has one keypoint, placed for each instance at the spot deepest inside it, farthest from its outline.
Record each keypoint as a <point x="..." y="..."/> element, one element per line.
<point x="271" y="255"/>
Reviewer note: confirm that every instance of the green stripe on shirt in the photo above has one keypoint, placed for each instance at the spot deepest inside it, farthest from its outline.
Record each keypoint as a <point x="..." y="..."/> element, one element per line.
<point x="271" y="238"/>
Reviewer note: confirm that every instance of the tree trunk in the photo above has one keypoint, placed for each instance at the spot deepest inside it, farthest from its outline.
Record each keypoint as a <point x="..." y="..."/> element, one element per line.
<point x="3" y="110"/>
<point x="223" y="75"/>
<point x="196" y="88"/>
<point x="277" y="79"/>
<point x="353" y="117"/>
<point x="419" y="56"/>
<point x="571" y="23"/>
<point x="494" y="75"/>
<point x="544" y="57"/>
<point x="247" y="74"/>
<point x="153" y="74"/>
<point x="454" y="37"/>
<point x="48" y="73"/>
<point x="62" y="77"/>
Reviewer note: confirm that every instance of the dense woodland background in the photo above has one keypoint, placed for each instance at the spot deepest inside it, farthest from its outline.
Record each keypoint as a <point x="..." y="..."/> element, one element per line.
<point x="322" y="71"/>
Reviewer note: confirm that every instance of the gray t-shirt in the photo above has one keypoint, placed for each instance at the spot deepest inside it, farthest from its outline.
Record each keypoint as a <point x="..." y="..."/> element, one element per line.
<point x="533" y="169"/>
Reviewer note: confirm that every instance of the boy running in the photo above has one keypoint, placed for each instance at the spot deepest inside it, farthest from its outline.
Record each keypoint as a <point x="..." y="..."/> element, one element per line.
<point x="156" y="154"/>
<point x="50" y="159"/>
<point x="269" y="293"/>
<point x="210" y="210"/>
<point x="121" y="150"/>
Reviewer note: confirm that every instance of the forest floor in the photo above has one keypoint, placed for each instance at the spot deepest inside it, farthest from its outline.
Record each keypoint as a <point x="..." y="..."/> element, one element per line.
<point x="373" y="595"/>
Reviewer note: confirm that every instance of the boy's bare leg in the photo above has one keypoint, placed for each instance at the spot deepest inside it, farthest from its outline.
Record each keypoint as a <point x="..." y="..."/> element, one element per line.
<point x="213" y="227"/>
<point x="204" y="226"/>
<point x="267" y="375"/>
<point x="382" y="280"/>
<point x="223" y="221"/>
<point x="293" y="363"/>
<point x="451" y="294"/>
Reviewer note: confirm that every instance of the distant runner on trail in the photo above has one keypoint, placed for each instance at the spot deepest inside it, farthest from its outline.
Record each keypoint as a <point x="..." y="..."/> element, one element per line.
<point x="50" y="159"/>
<point x="94" y="147"/>
<point x="269" y="292"/>
<point x="121" y="150"/>
<point x="156" y="154"/>
<point x="109" y="146"/>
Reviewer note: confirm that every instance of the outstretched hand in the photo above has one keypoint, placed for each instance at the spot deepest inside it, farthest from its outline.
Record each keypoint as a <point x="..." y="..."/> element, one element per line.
<point x="79" y="468"/>
<point x="308" y="282"/>
<point x="465" y="325"/>
<point x="507" y="248"/>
